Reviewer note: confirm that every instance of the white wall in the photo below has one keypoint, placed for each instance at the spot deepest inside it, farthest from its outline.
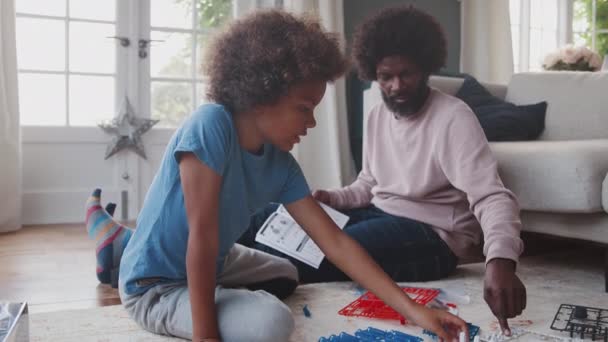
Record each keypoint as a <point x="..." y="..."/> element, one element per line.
<point x="62" y="166"/>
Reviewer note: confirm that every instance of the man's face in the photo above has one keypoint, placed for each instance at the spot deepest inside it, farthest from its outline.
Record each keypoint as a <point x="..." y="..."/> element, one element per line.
<point x="403" y="84"/>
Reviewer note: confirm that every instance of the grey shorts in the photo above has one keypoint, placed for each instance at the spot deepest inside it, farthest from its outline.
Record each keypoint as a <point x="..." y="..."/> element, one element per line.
<point x="242" y="315"/>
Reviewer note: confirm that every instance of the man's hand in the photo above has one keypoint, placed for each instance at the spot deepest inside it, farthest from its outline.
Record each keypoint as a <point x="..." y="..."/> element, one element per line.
<point x="321" y="196"/>
<point x="504" y="292"/>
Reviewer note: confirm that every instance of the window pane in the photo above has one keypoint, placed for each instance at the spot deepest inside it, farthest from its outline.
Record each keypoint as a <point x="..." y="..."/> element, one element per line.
<point x="202" y="42"/>
<point x="535" y="49"/>
<point x="549" y="42"/>
<point x="90" y="49"/>
<point x="581" y="21"/>
<point x="46" y="7"/>
<point x="515" y="38"/>
<point x="201" y="96"/>
<point x="42" y="99"/>
<point x="171" y="102"/>
<point x="602" y="44"/>
<point x="91" y="99"/>
<point x="602" y="14"/>
<point x="93" y="9"/>
<point x="171" y="13"/>
<point x="536" y="8"/>
<point x="41" y="44"/>
<point x="515" y="11"/>
<point x="213" y="14"/>
<point x="543" y="14"/>
<point x="173" y="56"/>
<point x="582" y="38"/>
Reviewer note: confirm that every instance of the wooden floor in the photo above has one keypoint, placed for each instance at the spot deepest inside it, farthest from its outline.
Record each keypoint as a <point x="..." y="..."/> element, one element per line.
<point x="52" y="267"/>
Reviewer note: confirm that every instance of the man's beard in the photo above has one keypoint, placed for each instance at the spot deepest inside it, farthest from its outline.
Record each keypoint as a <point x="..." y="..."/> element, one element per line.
<point x="412" y="105"/>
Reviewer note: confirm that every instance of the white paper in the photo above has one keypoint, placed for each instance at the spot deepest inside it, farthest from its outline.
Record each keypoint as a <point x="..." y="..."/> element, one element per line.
<point x="281" y="232"/>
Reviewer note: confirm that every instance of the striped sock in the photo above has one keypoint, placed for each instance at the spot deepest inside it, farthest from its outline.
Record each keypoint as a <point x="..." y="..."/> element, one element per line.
<point x="111" y="237"/>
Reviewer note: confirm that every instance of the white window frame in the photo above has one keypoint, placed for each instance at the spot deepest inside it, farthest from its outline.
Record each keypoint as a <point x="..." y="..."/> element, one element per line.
<point x="594" y="30"/>
<point x="119" y="77"/>
<point x="564" y="30"/>
<point x="132" y="74"/>
<point x="145" y="78"/>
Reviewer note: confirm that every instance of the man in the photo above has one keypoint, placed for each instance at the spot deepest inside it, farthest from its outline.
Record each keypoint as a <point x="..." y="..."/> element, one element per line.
<point x="429" y="184"/>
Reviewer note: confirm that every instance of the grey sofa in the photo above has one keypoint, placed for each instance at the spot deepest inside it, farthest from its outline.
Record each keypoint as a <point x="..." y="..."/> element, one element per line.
<point x="560" y="179"/>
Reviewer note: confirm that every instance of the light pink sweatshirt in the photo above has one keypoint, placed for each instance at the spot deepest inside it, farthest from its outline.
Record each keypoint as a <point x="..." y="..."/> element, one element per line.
<point x="436" y="167"/>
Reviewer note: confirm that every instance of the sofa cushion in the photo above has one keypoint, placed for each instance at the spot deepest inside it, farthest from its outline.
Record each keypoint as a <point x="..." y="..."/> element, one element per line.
<point x="555" y="176"/>
<point x="501" y="120"/>
<point x="577" y="102"/>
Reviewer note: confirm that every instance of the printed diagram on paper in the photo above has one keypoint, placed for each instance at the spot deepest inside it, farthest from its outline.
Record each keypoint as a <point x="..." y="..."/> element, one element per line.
<point x="281" y="232"/>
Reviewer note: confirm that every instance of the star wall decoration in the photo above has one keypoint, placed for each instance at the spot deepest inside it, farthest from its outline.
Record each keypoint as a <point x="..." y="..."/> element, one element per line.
<point x="127" y="130"/>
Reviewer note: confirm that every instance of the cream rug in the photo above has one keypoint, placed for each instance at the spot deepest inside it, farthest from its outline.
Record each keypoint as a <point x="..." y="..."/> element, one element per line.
<point x="550" y="281"/>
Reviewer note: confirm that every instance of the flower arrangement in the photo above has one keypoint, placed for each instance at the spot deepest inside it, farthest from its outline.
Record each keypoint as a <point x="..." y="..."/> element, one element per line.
<point x="574" y="58"/>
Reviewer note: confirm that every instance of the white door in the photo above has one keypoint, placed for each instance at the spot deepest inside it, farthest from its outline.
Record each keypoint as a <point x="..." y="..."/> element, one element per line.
<point x="78" y="59"/>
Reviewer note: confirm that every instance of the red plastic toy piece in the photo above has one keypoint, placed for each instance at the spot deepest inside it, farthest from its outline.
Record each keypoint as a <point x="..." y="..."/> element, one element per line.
<point x="370" y="306"/>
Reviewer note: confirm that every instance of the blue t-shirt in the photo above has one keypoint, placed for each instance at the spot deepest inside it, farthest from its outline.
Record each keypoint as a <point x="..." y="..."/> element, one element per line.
<point x="157" y="250"/>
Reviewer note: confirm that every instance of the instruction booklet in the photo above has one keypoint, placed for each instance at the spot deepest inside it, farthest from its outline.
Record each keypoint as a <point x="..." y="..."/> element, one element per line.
<point x="281" y="232"/>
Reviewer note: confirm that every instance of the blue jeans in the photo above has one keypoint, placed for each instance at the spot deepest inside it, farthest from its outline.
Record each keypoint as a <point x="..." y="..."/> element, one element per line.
<point x="407" y="250"/>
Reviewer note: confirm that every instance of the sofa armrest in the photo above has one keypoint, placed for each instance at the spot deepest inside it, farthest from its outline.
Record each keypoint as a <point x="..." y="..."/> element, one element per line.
<point x="556" y="176"/>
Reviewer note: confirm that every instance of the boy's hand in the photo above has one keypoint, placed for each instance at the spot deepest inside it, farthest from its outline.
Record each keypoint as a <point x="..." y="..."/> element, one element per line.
<point x="321" y="196"/>
<point x="445" y="325"/>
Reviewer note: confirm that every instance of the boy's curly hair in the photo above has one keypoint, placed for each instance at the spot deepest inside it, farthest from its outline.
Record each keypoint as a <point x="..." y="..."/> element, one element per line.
<point x="399" y="31"/>
<point x="258" y="58"/>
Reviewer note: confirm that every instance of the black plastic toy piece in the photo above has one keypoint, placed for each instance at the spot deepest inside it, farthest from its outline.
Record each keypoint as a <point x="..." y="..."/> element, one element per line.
<point x="580" y="312"/>
<point x="582" y="321"/>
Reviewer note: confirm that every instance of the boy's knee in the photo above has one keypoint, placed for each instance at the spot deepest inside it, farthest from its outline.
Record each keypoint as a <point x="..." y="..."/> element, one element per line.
<point x="277" y="323"/>
<point x="268" y="319"/>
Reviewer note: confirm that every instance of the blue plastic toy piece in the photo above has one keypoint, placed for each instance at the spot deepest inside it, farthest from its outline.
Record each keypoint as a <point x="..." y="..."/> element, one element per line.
<point x="473" y="331"/>
<point x="306" y="311"/>
<point x="372" y="335"/>
<point x="398" y="336"/>
<point x="343" y="337"/>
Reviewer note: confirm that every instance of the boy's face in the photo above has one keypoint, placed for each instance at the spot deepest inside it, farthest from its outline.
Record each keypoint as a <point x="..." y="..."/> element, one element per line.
<point x="283" y="123"/>
<point x="403" y="84"/>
